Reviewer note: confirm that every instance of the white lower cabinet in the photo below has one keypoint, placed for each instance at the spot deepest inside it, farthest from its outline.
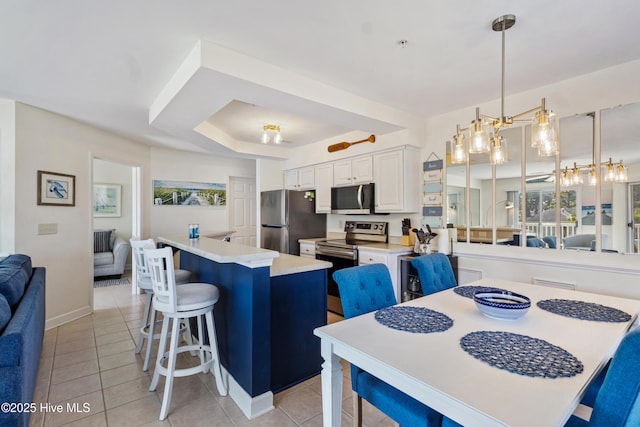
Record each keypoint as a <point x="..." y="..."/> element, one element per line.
<point x="308" y="250"/>
<point x="389" y="259"/>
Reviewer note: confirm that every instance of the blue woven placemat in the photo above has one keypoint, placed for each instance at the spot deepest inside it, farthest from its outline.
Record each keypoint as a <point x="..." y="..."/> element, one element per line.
<point x="469" y="291"/>
<point x="521" y="354"/>
<point x="584" y="310"/>
<point x="413" y="319"/>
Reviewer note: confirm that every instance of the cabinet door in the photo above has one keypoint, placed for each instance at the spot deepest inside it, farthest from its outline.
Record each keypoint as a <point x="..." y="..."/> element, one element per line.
<point x="324" y="180"/>
<point x="389" y="174"/>
<point x="342" y="173"/>
<point x="308" y="250"/>
<point x="291" y="179"/>
<point x="371" y="258"/>
<point x="306" y="179"/>
<point x="362" y="170"/>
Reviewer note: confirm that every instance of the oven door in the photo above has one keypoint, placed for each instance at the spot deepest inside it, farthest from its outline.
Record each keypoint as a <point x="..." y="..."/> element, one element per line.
<point x="334" y="303"/>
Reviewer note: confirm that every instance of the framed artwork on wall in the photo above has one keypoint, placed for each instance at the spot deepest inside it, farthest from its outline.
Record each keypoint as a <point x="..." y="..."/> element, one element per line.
<point x="107" y="200"/>
<point x="187" y="193"/>
<point x="56" y="189"/>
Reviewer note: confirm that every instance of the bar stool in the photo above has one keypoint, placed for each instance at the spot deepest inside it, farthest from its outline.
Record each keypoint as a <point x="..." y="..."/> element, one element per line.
<point x="144" y="283"/>
<point x="180" y="303"/>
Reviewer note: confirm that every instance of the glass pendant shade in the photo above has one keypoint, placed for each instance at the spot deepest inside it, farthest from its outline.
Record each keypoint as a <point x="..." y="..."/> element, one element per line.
<point x="478" y="138"/>
<point x="592" y="175"/>
<point x="277" y="139"/>
<point x="271" y="133"/>
<point x="265" y="138"/>
<point x="543" y="133"/>
<point x="499" y="150"/>
<point x="458" y="149"/>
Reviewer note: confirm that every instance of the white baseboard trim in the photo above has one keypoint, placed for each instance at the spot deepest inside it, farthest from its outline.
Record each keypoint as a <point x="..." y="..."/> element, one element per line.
<point x="67" y="317"/>
<point x="251" y="407"/>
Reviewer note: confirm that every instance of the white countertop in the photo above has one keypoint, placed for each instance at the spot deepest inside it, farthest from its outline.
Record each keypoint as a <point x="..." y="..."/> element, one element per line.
<point x="291" y="264"/>
<point x="223" y="252"/>
<point x="390" y="248"/>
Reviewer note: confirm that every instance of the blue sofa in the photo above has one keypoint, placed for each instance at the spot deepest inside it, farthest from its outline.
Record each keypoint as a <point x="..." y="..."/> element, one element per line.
<point x="22" y="316"/>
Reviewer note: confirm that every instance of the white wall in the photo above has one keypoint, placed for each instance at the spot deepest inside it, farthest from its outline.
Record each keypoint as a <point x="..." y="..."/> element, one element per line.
<point x="47" y="141"/>
<point x="7" y="175"/>
<point x="184" y="166"/>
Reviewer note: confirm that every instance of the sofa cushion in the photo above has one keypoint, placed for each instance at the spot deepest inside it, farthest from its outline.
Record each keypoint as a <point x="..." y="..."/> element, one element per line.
<point x="19" y="260"/>
<point x="103" y="258"/>
<point x="5" y="313"/>
<point x="13" y="280"/>
<point x="102" y="241"/>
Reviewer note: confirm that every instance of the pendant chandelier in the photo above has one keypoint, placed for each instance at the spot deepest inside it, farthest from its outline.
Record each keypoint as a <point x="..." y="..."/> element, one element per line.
<point x="483" y="134"/>
<point x="612" y="172"/>
<point x="271" y="133"/>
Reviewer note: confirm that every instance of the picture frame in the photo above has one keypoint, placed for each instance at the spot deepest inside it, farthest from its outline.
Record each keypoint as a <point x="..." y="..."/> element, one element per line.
<point x="107" y="200"/>
<point x="189" y="193"/>
<point x="56" y="189"/>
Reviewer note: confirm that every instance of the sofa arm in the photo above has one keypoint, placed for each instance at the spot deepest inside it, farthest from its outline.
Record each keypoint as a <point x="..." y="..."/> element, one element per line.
<point x="120" y="252"/>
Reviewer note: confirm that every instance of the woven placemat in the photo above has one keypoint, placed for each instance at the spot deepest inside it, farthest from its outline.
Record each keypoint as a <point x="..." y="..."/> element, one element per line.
<point x="584" y="310"/>
<point x="414" y="319"/>
<point x="521" y="354"/>
<point x="469" y="291"/>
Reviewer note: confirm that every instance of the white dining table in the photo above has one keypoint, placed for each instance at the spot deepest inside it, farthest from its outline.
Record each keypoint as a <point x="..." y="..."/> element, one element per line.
<point x="434" y="369"/>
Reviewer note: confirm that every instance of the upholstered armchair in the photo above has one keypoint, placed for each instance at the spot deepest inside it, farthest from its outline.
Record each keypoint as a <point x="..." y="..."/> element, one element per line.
<point x="110" y="253"/>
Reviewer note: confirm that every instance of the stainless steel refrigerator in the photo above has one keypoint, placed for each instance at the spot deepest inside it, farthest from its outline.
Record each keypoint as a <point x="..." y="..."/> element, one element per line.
<point x="286" y="216"/>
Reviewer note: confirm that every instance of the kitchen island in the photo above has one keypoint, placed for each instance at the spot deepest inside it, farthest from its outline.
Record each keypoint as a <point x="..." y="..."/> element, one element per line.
<point x="269" y="305"/>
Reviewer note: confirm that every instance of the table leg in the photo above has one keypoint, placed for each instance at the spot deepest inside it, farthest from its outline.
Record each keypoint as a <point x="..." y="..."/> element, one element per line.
<point x="331" y="386"/>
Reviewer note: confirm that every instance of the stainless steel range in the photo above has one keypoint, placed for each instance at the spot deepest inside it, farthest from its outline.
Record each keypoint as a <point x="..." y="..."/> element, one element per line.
<point x="343" y="253"/>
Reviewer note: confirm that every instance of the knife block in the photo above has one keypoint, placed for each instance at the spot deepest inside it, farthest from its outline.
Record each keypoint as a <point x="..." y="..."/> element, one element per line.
<point x="408" y="240"/>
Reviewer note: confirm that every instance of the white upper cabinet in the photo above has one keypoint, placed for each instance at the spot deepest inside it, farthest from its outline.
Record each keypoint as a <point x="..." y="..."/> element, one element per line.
<point x="324" y="182"/>
<point x="300" y="179"/>
<point x="397" y="176"/>
<point x="353" y="171"/>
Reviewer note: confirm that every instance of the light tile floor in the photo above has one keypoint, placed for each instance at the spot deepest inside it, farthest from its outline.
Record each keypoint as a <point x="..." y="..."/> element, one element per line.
<point x="91" y="363"/>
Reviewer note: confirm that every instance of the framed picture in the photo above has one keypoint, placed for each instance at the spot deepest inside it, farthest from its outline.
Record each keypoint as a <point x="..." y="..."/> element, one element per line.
<point x="107" y="200"/>
<point x="187" y="193"/>
<point x="56" y="189"/>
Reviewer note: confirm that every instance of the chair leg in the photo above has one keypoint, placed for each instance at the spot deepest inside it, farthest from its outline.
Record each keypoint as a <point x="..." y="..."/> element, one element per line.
<point x="188" y="336"/>
<point x="171" y="367"/>
<point x="203" y="358"/>
<point x="145" y="322"/>
<point x="215" y="367"/>
<point x="152" y="332"/>
<point x="161" y="348"/>
<point x="357" y="410"/>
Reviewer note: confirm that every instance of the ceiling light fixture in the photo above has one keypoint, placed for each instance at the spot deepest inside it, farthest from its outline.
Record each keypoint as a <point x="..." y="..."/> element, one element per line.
<point x="480" y="140"/>
<point x="271" y="133"/>
<point x="612" y="173"/>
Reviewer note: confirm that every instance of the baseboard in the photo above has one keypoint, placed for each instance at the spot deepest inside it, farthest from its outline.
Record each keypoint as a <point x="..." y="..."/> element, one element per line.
<point x="67" y="317"/>
<point x="252" y="407"/>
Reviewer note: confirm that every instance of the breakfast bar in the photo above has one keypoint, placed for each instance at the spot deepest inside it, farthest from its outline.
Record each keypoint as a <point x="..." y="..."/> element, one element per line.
<point x="269" y="305"/>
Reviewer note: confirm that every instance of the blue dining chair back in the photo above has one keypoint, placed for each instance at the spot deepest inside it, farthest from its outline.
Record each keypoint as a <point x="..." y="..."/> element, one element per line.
<point x="550" y="241"/>
<point x="364" y="289"/>
<point x="535" y="243"/>
<point x="435" y="272"/>
<point x="618" y="401"/>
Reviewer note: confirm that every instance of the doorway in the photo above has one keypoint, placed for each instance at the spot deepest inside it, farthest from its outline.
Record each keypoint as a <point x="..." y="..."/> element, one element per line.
<point x="242" y="210"/>
<point x="121" y="182"/>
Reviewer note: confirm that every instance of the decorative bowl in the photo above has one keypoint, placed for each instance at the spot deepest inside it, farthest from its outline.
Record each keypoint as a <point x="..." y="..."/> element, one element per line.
<point x="502" y="305"/>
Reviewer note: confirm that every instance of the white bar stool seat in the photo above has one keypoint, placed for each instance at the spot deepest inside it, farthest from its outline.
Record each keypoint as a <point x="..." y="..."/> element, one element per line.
<point x="144" y="283"/>
<point x="177" y="304"/>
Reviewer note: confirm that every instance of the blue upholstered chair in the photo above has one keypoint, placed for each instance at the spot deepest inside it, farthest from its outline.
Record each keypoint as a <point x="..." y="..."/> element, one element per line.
<point x="550" y="241"/>
<point x="617" y="404"/>
<point x="435" y="271"/>
<point x="364" y="289"/>
<point x="535" y="243"/>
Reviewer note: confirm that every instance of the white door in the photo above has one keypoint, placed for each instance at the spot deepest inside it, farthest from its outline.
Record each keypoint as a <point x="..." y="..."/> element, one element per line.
<point x="242" y="212"/>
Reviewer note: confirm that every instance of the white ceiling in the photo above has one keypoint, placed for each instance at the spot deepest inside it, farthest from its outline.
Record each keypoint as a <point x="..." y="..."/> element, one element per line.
<point x="109" y="63"/>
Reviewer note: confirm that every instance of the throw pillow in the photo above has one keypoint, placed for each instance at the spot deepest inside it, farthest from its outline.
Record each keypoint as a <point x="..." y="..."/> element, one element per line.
<point x="5" y="313"/>
<point x="13" y="280"/>
<point x="19" y="260"/>
<point x="102" y="241"/>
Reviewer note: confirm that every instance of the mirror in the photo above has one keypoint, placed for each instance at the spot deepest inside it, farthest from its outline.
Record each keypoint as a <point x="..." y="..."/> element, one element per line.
<point x="564" y="215"/>
<point x="620" y="201"/>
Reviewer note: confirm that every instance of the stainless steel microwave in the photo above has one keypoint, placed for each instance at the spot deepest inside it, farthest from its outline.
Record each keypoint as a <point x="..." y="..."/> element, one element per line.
<point x="353" y="200"/>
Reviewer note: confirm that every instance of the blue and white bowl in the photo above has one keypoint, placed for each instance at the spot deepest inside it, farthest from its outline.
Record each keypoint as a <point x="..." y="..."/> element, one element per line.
<point x="502" y="305"/>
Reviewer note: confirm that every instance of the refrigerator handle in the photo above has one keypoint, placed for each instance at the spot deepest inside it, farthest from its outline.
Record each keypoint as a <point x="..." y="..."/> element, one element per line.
<point x="273" y="225"/>
<point x="360" y="201"/>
